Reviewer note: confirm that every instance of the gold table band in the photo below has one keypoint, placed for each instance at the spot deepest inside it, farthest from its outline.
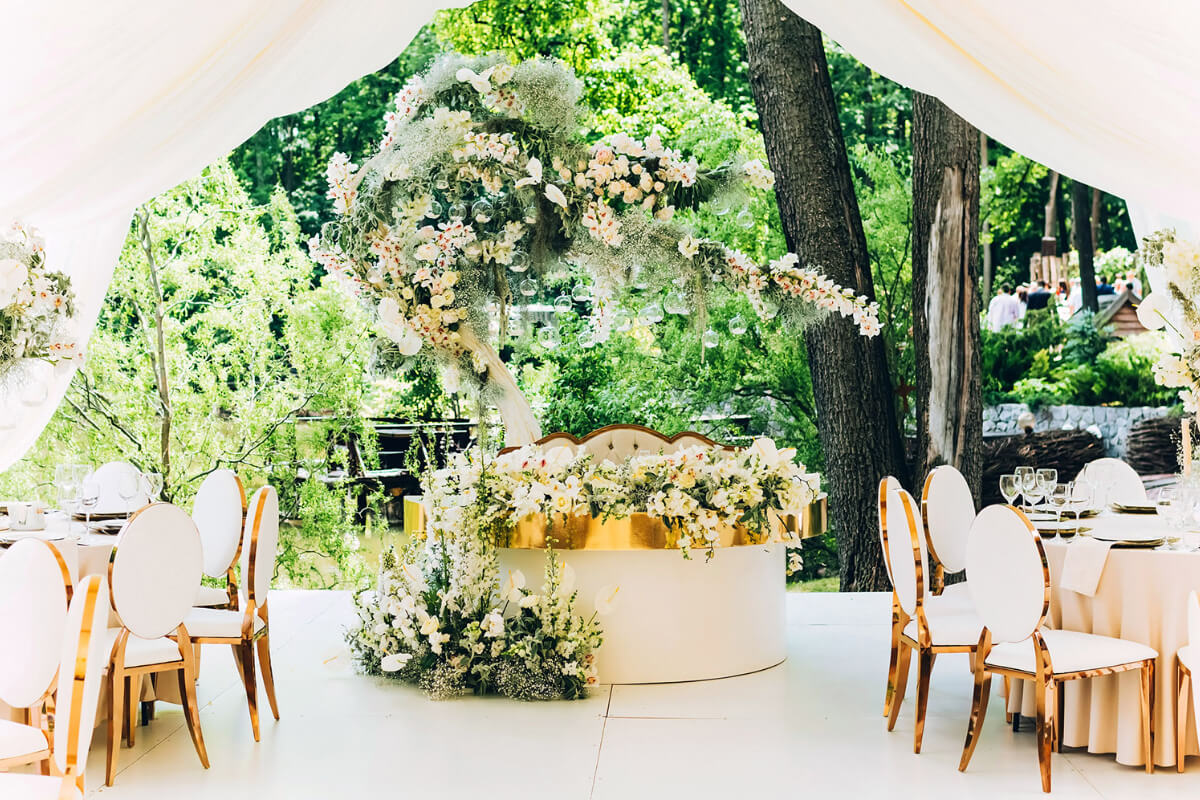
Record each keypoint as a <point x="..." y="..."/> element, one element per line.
<point x="636" y="532"/>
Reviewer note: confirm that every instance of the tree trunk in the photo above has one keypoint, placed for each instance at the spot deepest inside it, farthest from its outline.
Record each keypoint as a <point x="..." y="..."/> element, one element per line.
<point x="856" y="410"/>
<point x="1095" y="219"/>
<point x="158" y="355"/>
<point x="1081" y="229"/>
<point x="988" y="269"/>
<point x="1050" y="227"/>
<point x="665" y="11"/>
<point x="945" y="294"/>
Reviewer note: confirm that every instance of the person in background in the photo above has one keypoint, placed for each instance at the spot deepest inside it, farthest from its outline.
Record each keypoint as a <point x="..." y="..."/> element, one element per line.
<point x="1003" y="310"/>
<point x="1060" y="294"/>
<point x="1074" y="300"/>
<point x="1132" y="282"/>
<point x="1103" y="287"/>
<point x="1039" y="298"/>
<point x="1022" y="299"/>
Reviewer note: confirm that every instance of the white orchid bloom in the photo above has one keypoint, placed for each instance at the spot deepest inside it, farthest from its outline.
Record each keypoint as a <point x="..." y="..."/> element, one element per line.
<point x="534" y="168"/>
<point x="606" y="599"/>
<point x="429" y="625"/>
<point x="395" y="662"/>
<point x="529" y="601"/>
<point x="13" y="275"/>
<point x="555" y="195"/>
<point x="768" y="454"/>
<point x="493" y="625"/>
<point x="1152" y="311"/>
<point x="480" y="82"/>
<point x="510" y="590"/>
<point x="398" y="329"/>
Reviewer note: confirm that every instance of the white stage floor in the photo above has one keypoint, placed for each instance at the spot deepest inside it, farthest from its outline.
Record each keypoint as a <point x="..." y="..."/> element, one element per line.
<point x="811" y="727"/>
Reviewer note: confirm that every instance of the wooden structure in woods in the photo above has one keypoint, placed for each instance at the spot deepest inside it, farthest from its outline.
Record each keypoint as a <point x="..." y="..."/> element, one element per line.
<point x="1120" y="312"/>
<point x="1046" y="265"/>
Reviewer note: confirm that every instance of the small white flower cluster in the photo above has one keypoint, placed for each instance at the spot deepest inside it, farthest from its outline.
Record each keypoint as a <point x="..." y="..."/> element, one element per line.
<point x="35" y="304"/>
<point x="1174" y="311"/>
<point x="758" y="175"/>
<point x="340" y="175"/>
<point x="697" y="491"/>
<point x="813" y="287"/>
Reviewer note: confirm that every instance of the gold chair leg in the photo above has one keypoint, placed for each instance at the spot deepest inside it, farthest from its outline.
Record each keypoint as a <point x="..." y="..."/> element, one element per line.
<point x="1147" y="698"/>
<point x="925" y="660"/>
<point x="1182" y="687"/>
<point x="116" y="720"/>
<point x="191" y="714"/>
<point x="268" y="677"/>
<point x="979" y="703"/>
<point x="133" y="695"/>
<point x="1045" y="729"/>
<point x="893" y="663"/>
<point x="247" y="659"/>
<point x="1060" y="710"/>
<point x="902" y="661"/>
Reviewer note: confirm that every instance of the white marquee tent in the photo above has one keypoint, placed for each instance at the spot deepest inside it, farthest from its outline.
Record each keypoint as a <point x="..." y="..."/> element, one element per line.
<point x="107" y="104"/>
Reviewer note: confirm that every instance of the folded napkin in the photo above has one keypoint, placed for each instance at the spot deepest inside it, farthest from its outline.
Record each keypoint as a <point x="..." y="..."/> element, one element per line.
<point x="1084" y="565"/>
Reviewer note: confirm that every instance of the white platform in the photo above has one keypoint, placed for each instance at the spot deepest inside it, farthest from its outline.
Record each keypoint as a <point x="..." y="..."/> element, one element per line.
<point x="811" y="727"/>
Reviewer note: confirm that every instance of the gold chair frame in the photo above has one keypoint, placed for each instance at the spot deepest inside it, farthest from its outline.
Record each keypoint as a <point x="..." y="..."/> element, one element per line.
<point x="1183" y="686"/>
<point x="245" y="644"/>
<point x="1048" y="686"/>
<point x="903" y="645"/>
<point x="124" y="682"/>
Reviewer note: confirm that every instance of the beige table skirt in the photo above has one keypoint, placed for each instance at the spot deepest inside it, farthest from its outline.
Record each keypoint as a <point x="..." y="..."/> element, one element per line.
<point x="1142" y="596"/>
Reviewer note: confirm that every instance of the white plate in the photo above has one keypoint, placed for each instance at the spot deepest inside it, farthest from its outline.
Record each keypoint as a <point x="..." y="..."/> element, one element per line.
<point x="45" y="536"/>
<point x="1126" y="536"/>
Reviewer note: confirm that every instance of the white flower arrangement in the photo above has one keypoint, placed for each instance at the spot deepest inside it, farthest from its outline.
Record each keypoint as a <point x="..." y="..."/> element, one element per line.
<point x="1174" y="311"/>
<point x="483" y="166"/>
<point x="694" y="491"/>
<point x="35" y="303"/>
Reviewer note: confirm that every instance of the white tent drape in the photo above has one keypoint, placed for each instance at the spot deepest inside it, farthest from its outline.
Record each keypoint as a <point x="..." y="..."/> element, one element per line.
<point x="1105" y="91"/>
<point x="105" y="105"/>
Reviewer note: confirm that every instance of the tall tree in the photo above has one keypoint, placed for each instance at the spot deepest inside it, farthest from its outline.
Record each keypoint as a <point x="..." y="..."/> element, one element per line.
<point x="1082" y="204"/>
<point x="856" y="409"/>
<point x="945" y="292"/>
<point x="988" y="269"/>
<point x="1050" y="228"/>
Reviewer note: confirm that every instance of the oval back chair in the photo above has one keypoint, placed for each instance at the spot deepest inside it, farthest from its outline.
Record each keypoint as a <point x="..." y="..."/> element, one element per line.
<point x="219" y="512"/>
<point x="109" y="479"/>
<point x="947" y="511"/>
<point x="1115" y="482"/>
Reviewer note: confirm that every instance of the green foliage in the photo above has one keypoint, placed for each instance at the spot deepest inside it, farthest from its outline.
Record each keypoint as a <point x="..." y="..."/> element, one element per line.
<point x="1084" y="341"/>
<point x="1007" y="356"/>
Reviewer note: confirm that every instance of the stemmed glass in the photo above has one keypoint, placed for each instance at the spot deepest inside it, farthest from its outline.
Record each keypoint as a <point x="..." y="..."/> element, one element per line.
<point x="1034" y="494"/>
<point x="1060" y="495"/>
<point x="152" y="483"/>
<point x="1009" y="488"/>
<point x="127" y="488"/>
<point x="1047" y="479"/>
<point x="89" y="496"/>
<point x="1026" y="480"/>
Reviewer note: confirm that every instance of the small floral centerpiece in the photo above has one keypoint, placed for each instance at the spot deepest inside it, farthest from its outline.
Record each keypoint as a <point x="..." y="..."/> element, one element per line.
<point x="35" y="303"/>
<point x="1173" y="309"/>
<point x="483" y="184"/>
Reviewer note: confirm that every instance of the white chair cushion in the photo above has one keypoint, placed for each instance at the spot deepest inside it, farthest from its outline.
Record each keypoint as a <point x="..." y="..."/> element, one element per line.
<point x="1070" y="651"/>
<point x="957" y="595"/>
<point x="217" y="623"/>
<point x="139" y="652"/>
<point x="1189" y="657"/>
<point x="20" y="740"/>
<point x="211" y="596"/>
<point x="954" y="629"/>
<point x="33" y="787"/>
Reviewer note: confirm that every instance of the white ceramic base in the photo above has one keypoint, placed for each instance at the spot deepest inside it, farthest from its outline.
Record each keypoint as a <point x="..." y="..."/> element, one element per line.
<point x="675" y="619"/>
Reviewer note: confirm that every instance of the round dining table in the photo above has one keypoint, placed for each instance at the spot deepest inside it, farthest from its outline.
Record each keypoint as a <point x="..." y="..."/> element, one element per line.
<point x="1141" y="596"/>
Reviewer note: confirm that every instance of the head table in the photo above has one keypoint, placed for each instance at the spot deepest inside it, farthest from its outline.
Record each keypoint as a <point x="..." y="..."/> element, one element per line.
<point x="1142" y="596"/>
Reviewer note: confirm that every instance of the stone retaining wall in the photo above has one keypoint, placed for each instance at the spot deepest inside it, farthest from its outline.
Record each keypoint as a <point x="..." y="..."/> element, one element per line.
<point x="1111" y="423"/>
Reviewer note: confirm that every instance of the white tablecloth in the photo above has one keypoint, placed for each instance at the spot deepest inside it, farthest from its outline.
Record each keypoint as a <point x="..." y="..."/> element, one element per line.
<point x="1142" y="596"/>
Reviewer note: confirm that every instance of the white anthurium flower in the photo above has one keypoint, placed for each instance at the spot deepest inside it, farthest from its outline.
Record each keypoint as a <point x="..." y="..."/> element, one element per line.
<point x="529" y="601"/>
<point x="768" y="454"/>
<point x="13" y="275"/>
<point x="534" y="168"/>
<point x="514" y="582"/>
<point x="566" y="580"/>
<point x="395" y="662"/>
<point x="606" y="599"/>
<point x="493" y="625"/>
<point x="555" y="195"/>
<point x="429" y="625"/>
<point x="480" y="83"/>
<point x="1152" y="311"/>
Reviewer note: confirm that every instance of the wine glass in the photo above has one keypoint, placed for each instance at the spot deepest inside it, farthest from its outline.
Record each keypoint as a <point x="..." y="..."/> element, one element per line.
<point x="1033" y="495"/>
<point x="152" y="484"/>
<point x="1026" y="478"/>
<point x="1047" y="479"/>
<point x="1060" y="495"/>
<point x="128" y="484"/>
<point x="89" y="496"/>
<point x="1009" y="488"/>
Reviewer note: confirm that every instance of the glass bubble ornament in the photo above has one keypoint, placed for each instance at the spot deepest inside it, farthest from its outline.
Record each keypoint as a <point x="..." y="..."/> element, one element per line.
<point x="737" y="325"/>
<point x="459" y="211"/>
<point x="710" y="339"/>
<point x="481" y="210"/>
<point x="563" y="304"/>
<point x="582" y="293"/>
<point x="769" y="308"/>
<point x="587" y="339"/>
<point x="677" y="303"/>
<point x="519" y="261"/>
<point x="744" y="219"/>
<point x="528" y="287"/>
<point x="637" y="277"/>
<point x="652" y="314"/>
<point x="549" y="337"/>
<point x="622" y="321"/>
<point x="435" y="209"/>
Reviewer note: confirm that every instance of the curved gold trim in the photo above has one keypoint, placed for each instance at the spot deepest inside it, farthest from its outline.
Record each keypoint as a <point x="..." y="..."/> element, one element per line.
<point x="580" y="440"/>
<point x="639" y="531"/>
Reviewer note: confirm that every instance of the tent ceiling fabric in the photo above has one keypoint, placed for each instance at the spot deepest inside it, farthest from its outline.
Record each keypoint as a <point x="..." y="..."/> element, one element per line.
<point x="1105" y="91"/>
<point x="108" y="104"/>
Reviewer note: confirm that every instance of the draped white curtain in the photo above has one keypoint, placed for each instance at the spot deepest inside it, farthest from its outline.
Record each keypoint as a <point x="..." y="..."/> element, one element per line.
<point x="105" y="105"/>
<point x="1105" y="91"/>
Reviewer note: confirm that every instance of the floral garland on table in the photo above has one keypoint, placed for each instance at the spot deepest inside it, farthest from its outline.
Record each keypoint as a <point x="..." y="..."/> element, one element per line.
<point x="439" y="618"/>
<point x="1174" y="310"/>
<point x="35" y="304"/>
<point x="483" y="182"/>
<point x="694" y="490"/>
